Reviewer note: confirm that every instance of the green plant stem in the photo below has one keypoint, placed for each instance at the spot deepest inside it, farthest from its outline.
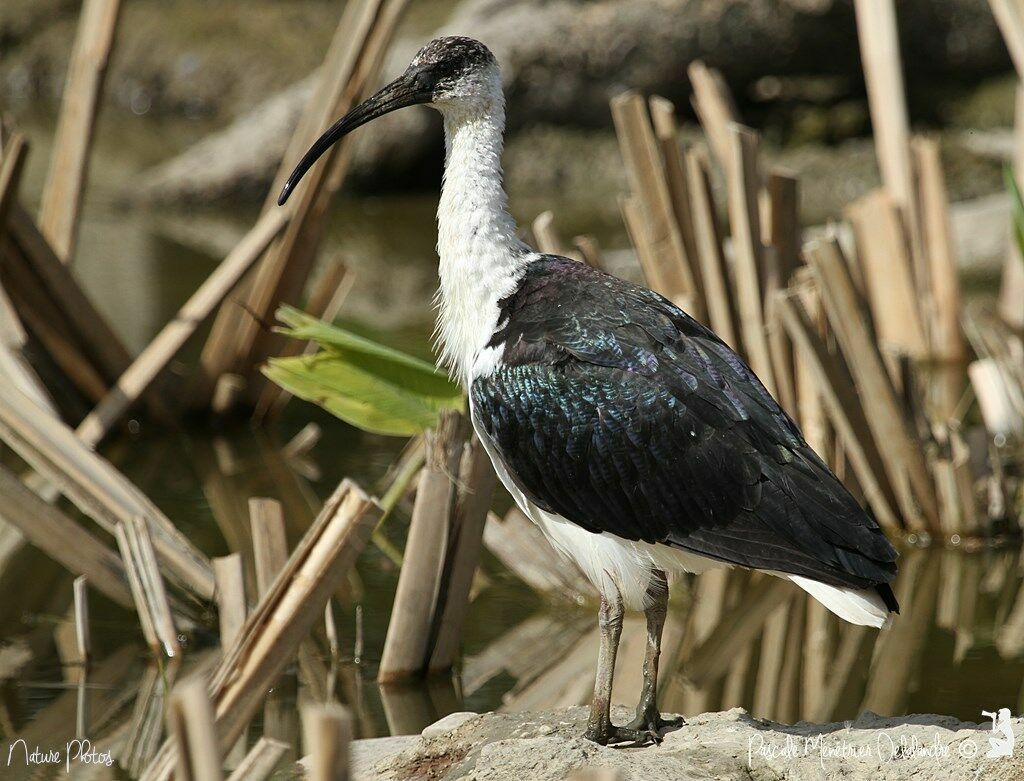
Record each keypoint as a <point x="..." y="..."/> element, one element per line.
<point x="392" y="497"/>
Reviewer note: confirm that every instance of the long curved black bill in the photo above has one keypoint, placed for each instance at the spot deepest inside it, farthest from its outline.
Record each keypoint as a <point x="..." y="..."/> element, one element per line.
<point x="400" y="93"/>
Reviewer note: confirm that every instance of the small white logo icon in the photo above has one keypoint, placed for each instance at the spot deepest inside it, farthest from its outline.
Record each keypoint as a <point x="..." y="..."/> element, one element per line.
<point x="1002" y="740"/>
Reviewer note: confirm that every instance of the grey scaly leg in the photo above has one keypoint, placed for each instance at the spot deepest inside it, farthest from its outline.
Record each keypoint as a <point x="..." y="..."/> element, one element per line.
<point x="599" y="725"/>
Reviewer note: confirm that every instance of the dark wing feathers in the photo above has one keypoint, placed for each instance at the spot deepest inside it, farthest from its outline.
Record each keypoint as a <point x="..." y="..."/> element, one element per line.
<point x="616" y="410"/>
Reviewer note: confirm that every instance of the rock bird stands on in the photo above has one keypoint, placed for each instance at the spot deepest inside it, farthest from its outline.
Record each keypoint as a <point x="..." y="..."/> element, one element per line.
<point x="633" y="436"/>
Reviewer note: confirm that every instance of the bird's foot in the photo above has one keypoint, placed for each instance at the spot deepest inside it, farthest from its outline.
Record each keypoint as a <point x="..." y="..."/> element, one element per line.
<point x="644" y="730"/>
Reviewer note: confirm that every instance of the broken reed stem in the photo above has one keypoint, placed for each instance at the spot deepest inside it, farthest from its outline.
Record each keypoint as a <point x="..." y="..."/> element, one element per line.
<point x="589" y="250"/>
<point x="888" y="276"/>
<point x="328" y="732"/>
<point x="147" y="586"/>
<point x="12" y="164"/>
<point x="154" y="359"/>
<point x="82" y="635"/>
<point x="469" y="514"/>
<point x="303" y="442"/>
<point x="69" y="161"/>
<point x="190" y="724"/>
<point x="269" y="542"/>
<point x="902" y="454"/>
<point x="546" y="235"/>
<point x="744" y="180"/>
<point x="95" y="486"/>
<point x="272" y="634"/>
<point x="640" y="152"/>
<point x="407" y="645"/>
<point x="715" y="108"/>
<point x="231" y="603"/>
<point x="63" y="539"/>
<point x="709" y="250"/>
<point x="261" y="761"/>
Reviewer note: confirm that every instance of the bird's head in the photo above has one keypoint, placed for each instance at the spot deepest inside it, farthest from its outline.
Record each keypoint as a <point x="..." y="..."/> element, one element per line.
<point x="452" y="74"/>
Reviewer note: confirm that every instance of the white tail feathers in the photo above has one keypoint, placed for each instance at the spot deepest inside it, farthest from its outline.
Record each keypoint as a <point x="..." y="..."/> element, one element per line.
<point x="858" y="606"/>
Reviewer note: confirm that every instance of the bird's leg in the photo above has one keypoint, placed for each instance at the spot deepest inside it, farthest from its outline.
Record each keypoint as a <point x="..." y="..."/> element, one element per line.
<point x="599" y="725"/>
<point x="648" y="720"/>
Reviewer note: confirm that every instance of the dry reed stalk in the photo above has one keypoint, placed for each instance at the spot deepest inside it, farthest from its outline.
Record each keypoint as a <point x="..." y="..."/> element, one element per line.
<point x="227" y="392"/>
<point x="782" y="222"/>
<point x="883" y="76"/>
<point x="1011" y="286"/>
<point x="589" y="250"/>
<point x="82" y="636"/>
<point x="261" y="761"/>
<point x="787" y="704"/>
<point x="231" y="603"/>
<point x="269" y="543"/>
<point x="902" y="454"/>
<point x="994" y="398"/>
<point x="95" y="486"/>
<point x="546" y="235"/>
<point x="744" y="180"/>
<point x="817" y="656"/>
<point x="827" y="377"/>
<point x="709" y="250"/>
<point x="146" y="723"/>
<point x="69" y="161"/>
<point x="715" y="108"/>
<point x="328" y="731"/>
<point x="275" y="629"/>
<point x="304" y="441"/>
<point x="769" y="667"/>
<point x="407" y="645"/>
<point x="13" y="153"/>
<point x="154" y="359"/>
<point x="666" y="131"/>
<point x="90" y="326"/>
<point x="469" y="514"/>
<point x="883" y="257"/>
<point x="136" y="545"/>
<point x="814" y="422"/>
<point x="325" y="302"/>
<point x="62" y="539"/>
<point x="348" y="74"/>
<point x="632" y="218"/>
<point x="190" y="724"/>
<point x="947" y="337"/>
<point x="646" y="171"/>
<point x="781" y="351"/>
<point x="1010" y="18"/>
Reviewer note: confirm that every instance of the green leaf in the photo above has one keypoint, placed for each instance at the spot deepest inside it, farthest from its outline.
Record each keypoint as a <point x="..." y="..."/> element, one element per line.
<point x="1018" y="206"/>
<point x="366" y="384"/>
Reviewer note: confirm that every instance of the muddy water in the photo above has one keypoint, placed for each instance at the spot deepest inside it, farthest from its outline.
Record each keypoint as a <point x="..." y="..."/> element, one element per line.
<point x="731" y="640"/>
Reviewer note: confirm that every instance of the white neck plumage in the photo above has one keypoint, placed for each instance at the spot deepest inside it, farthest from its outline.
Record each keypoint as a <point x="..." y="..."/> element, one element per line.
<point x="481" y="258"/>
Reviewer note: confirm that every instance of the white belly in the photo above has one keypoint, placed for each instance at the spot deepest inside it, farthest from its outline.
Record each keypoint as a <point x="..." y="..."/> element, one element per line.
<point x="605" y="559"/>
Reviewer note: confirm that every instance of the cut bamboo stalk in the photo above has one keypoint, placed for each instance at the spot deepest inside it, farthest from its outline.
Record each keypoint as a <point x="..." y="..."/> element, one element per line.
<point x="666" y="131"/>
<point x="231" y="603"/>
<point x="947" y="337"/>
<point x="589" y="250"/>
<point x="883" y="76"/>
<point x="147" y="586"/>
<point x="269" y="544"/>
<point x="302" y="442"/>
<point x="91" y="327"/>
<point x="272" y="634"/>
<point x="154" y="359"/>
<point x="646" y="173"/>
<point x="261" y="761"/>
<point x="714" y="106"/>
<point x="63" y="539"/>
<point x="325" y="303"/>
<point x="469" y="514"/>
<point x="709" y="250"/>
<point x="191" y="726"/>
<point x="546" y="235"/>
<point x="903" y="458"/>
<point x="407" y="645"/>
<point x="95" y="486"/>
<point x="744" y="180"/>
<point x="83" y="638"/>
<point x="12" y="163"/>
<point x="69" y="162"/>
<point x="844" y="411"/>
<point x="328" y="732"/>
<point x="883" y="257"/>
